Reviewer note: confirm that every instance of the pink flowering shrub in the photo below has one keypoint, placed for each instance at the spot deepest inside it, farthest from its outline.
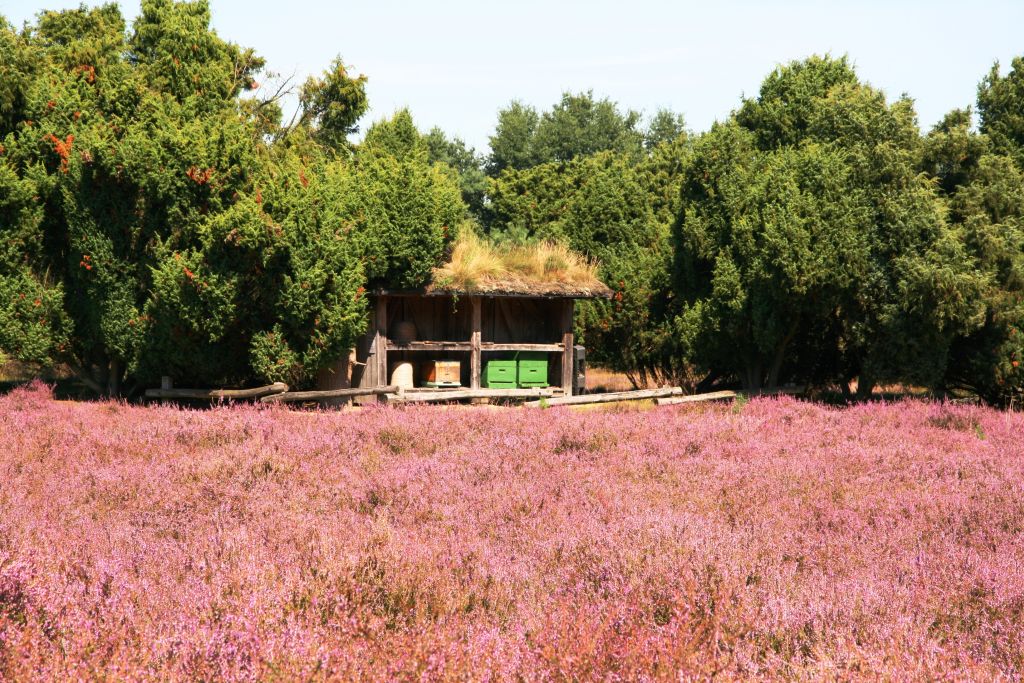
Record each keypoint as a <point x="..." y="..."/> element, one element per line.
<point x="782" y="540"/>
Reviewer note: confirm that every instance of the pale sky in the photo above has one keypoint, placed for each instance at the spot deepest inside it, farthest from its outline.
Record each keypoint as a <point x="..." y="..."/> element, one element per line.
<point x="455" y="63"/>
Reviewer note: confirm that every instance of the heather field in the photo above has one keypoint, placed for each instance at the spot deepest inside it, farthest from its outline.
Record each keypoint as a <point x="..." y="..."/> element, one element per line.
<point x="775" y="539"/>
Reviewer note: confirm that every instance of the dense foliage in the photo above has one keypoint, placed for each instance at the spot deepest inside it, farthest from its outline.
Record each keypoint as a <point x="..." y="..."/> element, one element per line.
<point x="600" y="206"/>
<point x="575" y="127"/>
<point x="983" y="183"/>
<point x="156" y="222"/>
<point x="814" y="236"/>
<point x="158" y="215"/>
<point x="809" y="242"/>
<point x="609" y="193"/>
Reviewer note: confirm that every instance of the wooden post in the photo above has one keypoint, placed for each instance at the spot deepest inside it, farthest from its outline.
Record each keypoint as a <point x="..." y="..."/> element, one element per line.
<point x="380" y="341"/>
<point x="165" y="383"/>
<point x="475" y="360"/>
<point x="567" y="341"/>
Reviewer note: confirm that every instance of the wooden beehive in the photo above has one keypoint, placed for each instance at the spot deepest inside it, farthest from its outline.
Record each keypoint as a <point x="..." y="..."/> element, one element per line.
<point x="442" y="373"/>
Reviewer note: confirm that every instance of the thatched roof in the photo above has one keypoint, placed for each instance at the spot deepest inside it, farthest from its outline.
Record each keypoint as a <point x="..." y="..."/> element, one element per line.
<point x="511" y="286"/>
<point x="536" y="270"/>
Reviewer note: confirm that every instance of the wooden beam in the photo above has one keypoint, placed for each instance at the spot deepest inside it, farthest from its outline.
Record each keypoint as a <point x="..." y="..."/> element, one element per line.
<point x="485" y="347"/>
<point x="381" y="341"/>
<point x="294" y="396"/>
<point x="695" y="398"/>
<point x="722" y="395"/>
<point x="474" y="344"/>
<point x="217" y="394"/>
<point x="611" y="397"/>
<point x="430" y="346"/>
<point x="567" y="341"/>
<point x="556" y="348"/>
<point x="462" y="394"/>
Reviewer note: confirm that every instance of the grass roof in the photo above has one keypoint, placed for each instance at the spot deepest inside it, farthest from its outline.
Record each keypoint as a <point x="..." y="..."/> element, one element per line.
<point x="540" y="269"/>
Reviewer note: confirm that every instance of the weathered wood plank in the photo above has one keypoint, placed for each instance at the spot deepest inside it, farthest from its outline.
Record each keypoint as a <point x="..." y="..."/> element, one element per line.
<point x="294" y="396"/>
<point x="695" y="398"/>
<point x="381" y="319"/>
<point x="468" y="346"/>
<point x="727" y="394"/>
<point x="522" y="347"/>
<point x="462" y="394"/>
<point x="568" y="308"/>
<point x="430" y="346"/>
<point x="611" y="397"/>
<point x="217" y="394"/>
<point x="476" y="329"/>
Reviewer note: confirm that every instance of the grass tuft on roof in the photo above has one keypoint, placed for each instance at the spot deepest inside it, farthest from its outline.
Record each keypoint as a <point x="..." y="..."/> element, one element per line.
<point x="541" y="268"/>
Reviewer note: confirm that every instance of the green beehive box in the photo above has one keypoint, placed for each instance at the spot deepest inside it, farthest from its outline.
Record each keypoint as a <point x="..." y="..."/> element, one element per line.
<point x="500" y="374"/>
<point x="532" y="369"/>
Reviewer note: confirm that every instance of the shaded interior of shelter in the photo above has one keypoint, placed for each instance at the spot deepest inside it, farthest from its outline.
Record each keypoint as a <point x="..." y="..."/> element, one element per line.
<point x="439" y="318"/>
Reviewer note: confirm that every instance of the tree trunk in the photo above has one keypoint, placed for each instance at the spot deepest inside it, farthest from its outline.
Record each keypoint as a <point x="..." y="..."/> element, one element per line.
<point x="865" y="385"/>
<point x="704" y="386"/>
<point x="102" y="377"/>
<point x="776" y="367"/>
<point x="752" y="376"/>
<point x="844" y="386"/>
<point x="99" y="375"/>
<point x="113" y="378"/>
<point x="780" y="357"/>
<point x="86" y="377"/>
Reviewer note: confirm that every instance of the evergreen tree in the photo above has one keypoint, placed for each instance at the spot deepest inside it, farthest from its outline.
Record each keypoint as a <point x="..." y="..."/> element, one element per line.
<point x="807" y="227"/>
<point x="154" y="221"/>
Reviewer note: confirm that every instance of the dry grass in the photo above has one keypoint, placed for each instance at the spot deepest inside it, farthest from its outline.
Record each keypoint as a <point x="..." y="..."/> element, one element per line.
<point x="639" y="406"/>
<point x="480" y="265"/>
<point x="604" y="380"/>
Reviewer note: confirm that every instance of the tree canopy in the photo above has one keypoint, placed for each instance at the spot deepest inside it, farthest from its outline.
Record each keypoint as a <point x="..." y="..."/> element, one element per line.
<point x="160" y="214"/>
<point x="577" y="126"/>
<point x="1001" y="109"/>
<point x="900" y="281"/>
<point x="153" y="224"/>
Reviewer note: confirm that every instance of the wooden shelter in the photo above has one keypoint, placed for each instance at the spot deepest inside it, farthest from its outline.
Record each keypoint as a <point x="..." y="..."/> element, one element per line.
<point x="493" y="319"/>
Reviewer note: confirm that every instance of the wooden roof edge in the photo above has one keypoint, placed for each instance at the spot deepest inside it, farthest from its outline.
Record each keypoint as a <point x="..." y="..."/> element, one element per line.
<point x="604" y="292"/>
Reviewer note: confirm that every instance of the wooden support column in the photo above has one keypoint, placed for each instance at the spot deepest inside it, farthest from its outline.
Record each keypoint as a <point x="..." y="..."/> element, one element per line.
<point x="567" y="342"/>
<point x="475" y="360"/>
<point x="380" y="341"/>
